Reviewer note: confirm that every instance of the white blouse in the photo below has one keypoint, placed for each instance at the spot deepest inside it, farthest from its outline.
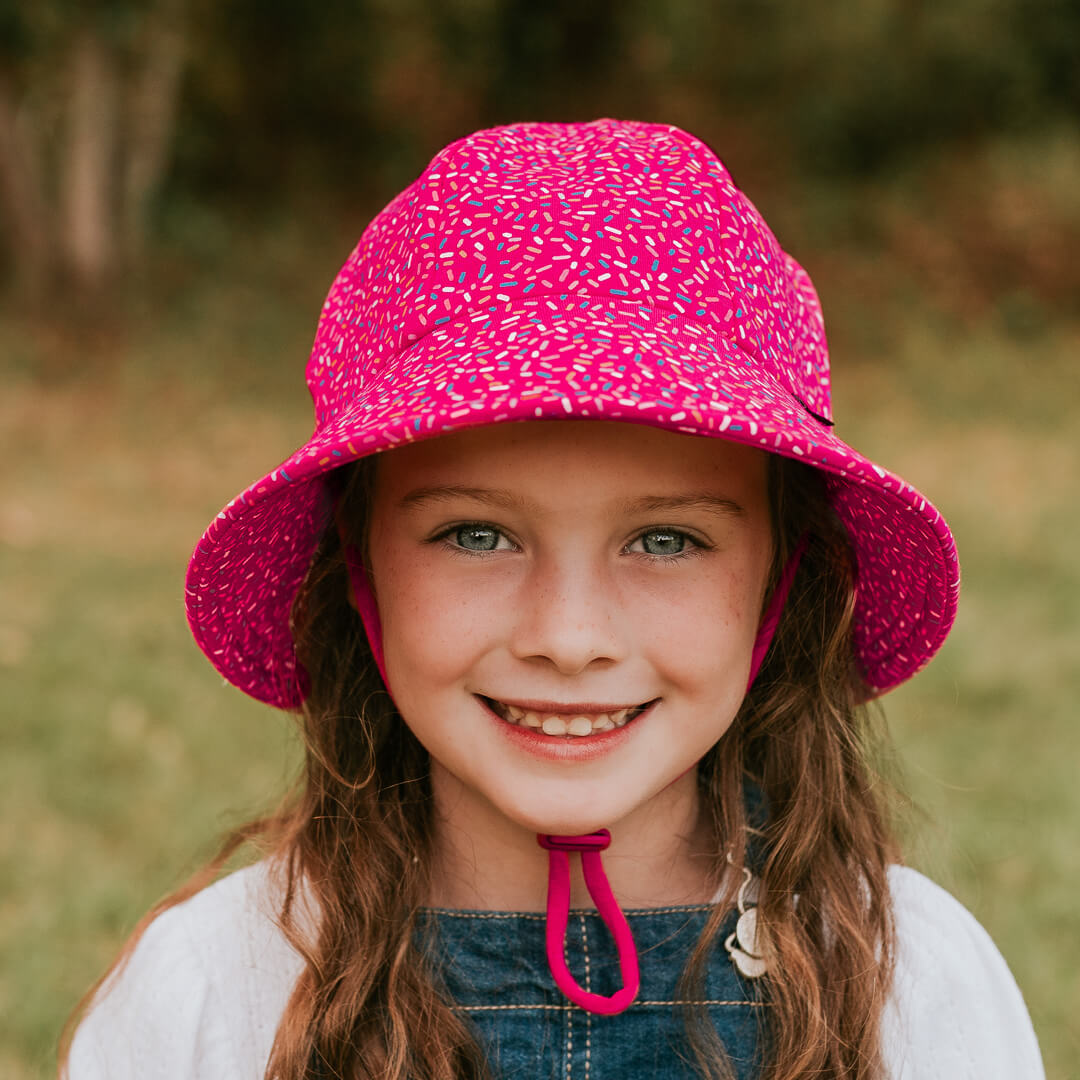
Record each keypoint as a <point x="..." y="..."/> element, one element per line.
<point x="202" y="994"/>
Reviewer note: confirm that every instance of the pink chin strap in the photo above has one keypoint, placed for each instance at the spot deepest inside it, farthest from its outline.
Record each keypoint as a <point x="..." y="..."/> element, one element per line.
<point x="558" y="912"/>
<point x="591" y="844"/>
<point x="771" y="619"/>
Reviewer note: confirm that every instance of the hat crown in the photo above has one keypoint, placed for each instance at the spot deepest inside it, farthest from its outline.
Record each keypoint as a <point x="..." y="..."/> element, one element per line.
<point x="620" y="213"/>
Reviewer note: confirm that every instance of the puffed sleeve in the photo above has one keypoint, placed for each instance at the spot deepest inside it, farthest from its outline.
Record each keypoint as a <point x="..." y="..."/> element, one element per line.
<point x="956" y="1012"/>
<point x="202" y="995"/>
<point x="157" y="1018"/>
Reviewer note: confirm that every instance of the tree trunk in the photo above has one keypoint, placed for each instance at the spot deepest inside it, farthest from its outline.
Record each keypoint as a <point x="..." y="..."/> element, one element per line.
<point x="22" y="202"/>
<point x="151" y="117"/>
<point x="87" y="205"/>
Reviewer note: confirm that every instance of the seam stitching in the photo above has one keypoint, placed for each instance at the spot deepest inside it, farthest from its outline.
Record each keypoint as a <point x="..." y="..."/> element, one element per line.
<point x="588" y="988"/>
<point x="568" y="1007"/>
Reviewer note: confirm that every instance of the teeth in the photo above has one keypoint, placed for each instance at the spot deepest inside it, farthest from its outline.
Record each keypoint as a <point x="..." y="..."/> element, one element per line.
<point x="576" y="726"/>
<point x="555" y="725"/>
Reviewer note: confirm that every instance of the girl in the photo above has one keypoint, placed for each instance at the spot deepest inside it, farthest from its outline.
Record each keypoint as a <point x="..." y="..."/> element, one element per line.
<point x="615" y="601"/>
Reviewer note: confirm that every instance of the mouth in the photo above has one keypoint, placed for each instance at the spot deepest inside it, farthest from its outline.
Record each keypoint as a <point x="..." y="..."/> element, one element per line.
<point x="566" y="726"/>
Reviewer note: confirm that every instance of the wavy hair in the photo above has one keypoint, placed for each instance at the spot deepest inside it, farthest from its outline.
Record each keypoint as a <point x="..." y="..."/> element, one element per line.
<point x="354" y="835"/>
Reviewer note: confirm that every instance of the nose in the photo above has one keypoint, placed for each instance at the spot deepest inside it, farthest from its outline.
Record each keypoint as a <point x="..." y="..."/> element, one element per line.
<point x="569" y="615"/>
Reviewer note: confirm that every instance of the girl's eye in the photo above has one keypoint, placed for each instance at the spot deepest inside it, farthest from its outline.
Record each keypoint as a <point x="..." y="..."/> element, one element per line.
<point x="668" y="543"/>
<point x="662" y="545"/>
<point x="472" y="539"/>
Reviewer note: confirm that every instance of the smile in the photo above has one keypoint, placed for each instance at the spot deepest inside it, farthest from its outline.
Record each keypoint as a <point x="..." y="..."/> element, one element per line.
<point x="566" y="725"/>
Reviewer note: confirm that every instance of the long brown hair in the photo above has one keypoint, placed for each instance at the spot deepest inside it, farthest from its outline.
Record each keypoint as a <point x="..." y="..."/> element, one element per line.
<point x="355" y="834"/>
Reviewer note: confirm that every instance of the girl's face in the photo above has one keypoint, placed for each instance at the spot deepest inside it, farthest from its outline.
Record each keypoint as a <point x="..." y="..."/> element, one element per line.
<point x="571" y="568"/>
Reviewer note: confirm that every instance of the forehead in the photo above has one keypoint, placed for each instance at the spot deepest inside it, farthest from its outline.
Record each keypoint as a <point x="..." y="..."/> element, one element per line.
<point x="554" y="460"/>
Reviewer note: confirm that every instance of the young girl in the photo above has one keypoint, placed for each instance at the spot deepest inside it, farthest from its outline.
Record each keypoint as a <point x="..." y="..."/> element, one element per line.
<point x="581" y="665"/>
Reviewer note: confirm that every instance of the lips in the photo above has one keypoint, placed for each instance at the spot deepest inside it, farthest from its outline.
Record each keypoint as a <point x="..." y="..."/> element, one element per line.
<point x="567" y="725"/>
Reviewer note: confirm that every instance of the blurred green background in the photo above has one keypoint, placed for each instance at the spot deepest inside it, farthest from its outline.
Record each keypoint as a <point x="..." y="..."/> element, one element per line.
<point x="179" y="182"/>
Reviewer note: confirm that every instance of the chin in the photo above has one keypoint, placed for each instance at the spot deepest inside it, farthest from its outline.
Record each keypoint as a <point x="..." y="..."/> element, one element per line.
<point x="557" y="818"/>
<point x="567" y="827"/>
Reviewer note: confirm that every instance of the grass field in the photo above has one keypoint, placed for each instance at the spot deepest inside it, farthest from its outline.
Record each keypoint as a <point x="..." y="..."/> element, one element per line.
<point x="125" y="756"/>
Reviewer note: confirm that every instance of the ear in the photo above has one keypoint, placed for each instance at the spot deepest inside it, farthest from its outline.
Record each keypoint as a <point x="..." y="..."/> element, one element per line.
<point x="350" y="587"/>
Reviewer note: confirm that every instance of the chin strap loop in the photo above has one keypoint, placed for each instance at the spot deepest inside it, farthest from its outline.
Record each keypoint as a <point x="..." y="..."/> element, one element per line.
<point x="558" y="911"/>
<point x="771" y="619"/>
<point x="362" y="594"/>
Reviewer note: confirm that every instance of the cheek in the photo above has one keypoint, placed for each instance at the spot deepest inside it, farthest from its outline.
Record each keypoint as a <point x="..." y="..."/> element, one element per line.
<point x="701" y="636"/>
<point x="433" y="626"/>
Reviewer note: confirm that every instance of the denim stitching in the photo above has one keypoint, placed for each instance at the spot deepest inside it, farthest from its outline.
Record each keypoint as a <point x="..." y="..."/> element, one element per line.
<point x="540" y="917"/>
<point x="588" y="987"/>
<point x="568" y="1067"/>
<point x="569" y="1046"/>
<point x="751" y="1004"/>
<point x="636" y="1005"/>
<point x="495" y="1008"/>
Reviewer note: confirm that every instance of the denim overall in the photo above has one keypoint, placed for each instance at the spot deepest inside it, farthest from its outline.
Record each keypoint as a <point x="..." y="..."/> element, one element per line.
<point x="494" y="967"/>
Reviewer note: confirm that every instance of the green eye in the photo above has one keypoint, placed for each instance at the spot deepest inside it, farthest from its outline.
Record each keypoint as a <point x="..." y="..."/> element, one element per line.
<point x="663" y="542"/>
<point x="476" y="538"/>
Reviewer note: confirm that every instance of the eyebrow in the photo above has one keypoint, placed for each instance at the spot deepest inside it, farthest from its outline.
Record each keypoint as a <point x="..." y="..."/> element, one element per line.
<point x="509" y="500"/>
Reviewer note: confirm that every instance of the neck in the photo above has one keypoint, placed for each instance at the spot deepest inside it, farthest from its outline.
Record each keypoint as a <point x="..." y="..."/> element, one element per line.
<point x="660" y="855"/>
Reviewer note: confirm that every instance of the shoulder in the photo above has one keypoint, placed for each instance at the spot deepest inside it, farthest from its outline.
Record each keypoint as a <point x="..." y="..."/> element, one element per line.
<point x="200" y="995"/>
<point x="956" y="1010"/>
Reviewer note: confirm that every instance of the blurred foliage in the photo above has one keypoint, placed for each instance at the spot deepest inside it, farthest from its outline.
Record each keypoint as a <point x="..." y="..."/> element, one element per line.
<point x="349" y="98"/>
<point x="855" y="88"/>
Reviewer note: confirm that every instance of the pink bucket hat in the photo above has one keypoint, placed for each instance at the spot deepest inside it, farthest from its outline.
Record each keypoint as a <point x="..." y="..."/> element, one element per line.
<point x="608" y="270"/>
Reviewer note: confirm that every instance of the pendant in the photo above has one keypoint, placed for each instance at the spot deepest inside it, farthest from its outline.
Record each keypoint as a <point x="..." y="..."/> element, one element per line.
<point x="742" y="944"/>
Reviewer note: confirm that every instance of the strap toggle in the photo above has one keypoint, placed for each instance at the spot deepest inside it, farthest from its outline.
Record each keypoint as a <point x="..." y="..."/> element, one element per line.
<point x="558" y="912"/>
<point x="594" y="841"/>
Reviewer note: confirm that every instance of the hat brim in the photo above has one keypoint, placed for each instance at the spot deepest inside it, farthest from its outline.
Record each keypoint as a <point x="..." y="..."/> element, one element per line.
<point x="557" y="361"/>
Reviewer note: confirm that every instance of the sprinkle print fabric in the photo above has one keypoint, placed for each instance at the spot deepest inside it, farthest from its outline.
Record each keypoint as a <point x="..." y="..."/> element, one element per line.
<point x="607" y="270"/>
